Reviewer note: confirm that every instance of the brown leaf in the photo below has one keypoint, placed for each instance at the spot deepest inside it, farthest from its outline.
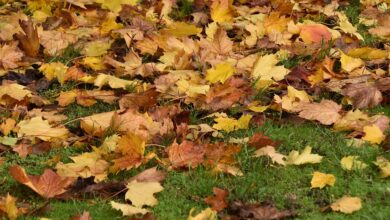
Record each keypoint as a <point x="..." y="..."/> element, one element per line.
<point x="363" y="95"/>
<point x="186" y="154"/>
<point x="326" y="112"/>
<point x="10" y="55"/>
<point x="258" y="211"/>
<point x="84" y="216"/>
<point x="48" y="185"/>
<point x="149" y="175"/>
<point x="218" y="202"/>
<point x="144" y="100"/>
<point x="29" y="40"/>
<point x="260" y="140"/>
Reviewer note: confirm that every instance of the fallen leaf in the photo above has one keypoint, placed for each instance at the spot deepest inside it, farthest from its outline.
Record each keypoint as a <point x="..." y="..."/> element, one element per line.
<point x="363" y="95"/>
<point x="149" y="175"/>
<point x="39" y="128"/>
<point x="296" y="158"/>
<point x="221" y="72"/>
<point x="320" y="180"/>
<point x="47" y="185"/>
<point x="384" y="165"/>
<point x="352" y="163"/>
<point x="349" y="63"/>
<point x="258" y="211"/>
<point x="373" y="134"/>
<point x="7" y="126"/>
<point x="265" y="68"/>
<point x="271" y="152"/>
<point x="222" y="10"/>
<point x="8" y="206"/>
<point x="206" y="214"/>
<point x="128" y="210"/>
<point x="347" y="204"/>
<point x="326" y="112"/>
<point x="259" y="140"/>
<point x="186" y="154"/>
<point x="314" y="33"/>
<point x="141" y="193"/>
<point x="231" y="124"/>
<point x="10" y="55"/>
<point x="218" y="202"/>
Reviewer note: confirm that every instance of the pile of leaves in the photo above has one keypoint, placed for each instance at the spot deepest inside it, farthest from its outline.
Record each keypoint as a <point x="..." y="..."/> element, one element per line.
<point x="181" y="76"/>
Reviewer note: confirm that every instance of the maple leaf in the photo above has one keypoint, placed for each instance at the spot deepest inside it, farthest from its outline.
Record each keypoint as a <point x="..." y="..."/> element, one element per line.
<point x="132" y="148"/>
<point x="271" y="152"/>
<point x="141" y="193"/>
<point x="231" y="124"/>
<point x="206" y="214"/>
<point x="39" y="128"/>
<point x="293" y="99"/>
<point x="352" y="163"/>
<point x="113" y="82"/>
<point x="368" y="53"/>
<point x="363" y="95"/>
<point x="326" y="112"/>
<point x="220" y="44"/>
<point x="128" y="210"/>
<point x="8" y="206"/>
<point x="222" y="10"/>
<point x="259" y="140"/>
<point x="373" y="134"/>
<point x="10" y="55"/>
<point x="347" y="204"/>
<point x="221" y="72"/>
<point x="320" y="180"/>
<point x="84" y="165"/>
<point x="296" y="158"/>
<point x="181" y="29"/>
<point x="218" y="202"/>
<point x="29" y="40"/>
<point x="384" y="166"/>
<point x="55" y="41"/>
<point x="352" y="120"/>
<point x="258" y="211"/>
<point x="347" y="27"/>
<point x="186" y="154"/>
<point x="55" y="70"/>
<point x="47" y="185"/>
<point x="265" y="68"/>
<point x="7" y="126"/>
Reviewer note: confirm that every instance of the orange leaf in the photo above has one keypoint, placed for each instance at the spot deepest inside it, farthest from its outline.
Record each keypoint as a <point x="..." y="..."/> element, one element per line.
<point x="48" y="185"/>
<point x="218" y="202"/>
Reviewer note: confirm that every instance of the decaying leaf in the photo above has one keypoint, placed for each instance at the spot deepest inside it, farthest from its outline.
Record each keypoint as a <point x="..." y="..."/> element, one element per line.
<point x="326" y="112"/>
<point x="207" y="214"/>
<point x="384" y="166"/>
<point x="128" y="210"/>
<point x="141" y="193"/>
<point x="271" y="152"/>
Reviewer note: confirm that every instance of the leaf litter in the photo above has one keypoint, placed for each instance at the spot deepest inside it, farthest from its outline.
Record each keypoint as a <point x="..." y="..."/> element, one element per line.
<point x="155" y="65"/>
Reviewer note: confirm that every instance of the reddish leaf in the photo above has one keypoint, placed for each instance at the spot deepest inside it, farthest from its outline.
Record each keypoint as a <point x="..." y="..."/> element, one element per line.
<point x="218" y="202"/>
<point x="186" y="154"/>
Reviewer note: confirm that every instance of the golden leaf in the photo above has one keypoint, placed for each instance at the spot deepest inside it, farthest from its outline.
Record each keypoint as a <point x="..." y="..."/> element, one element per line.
<point x="221" y="72"/>
<point x="347" y="204"/>
<point x="320" y="180"/>
<point x="296" y="158"/>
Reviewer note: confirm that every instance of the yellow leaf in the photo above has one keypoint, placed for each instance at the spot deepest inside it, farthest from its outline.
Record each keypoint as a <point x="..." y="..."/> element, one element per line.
<point x="95" y="63"/>
<point x="256" y="107"/>
<point x="96" y="48"/>
<point x="293" y="98"/>
<point x="351" y="121"/>
<point x="7" y="126"/>
<point x="352" y="163"/>
<point x="207" y="214"/>
<point x="384" y="166"/>
<point x="347" y="27"/>
<point x="349" y="63"/>
<point x="55" y="70"/>
<point x="222" y="10"/>
<point x="39" y="128"/>
<point x="191" y="89"/>
<point x="85" y="165"/>
<point x="373" y="134"/>
<point x="116" y="5"/>
<point x="221" y="72"/>
<point x="231" y="124"/>
<point x="8" y="205"/>
<point x="141" y="193"/>
<point x="67" y="98"/>
<point x="110" y="24"/>
<point x="265" y="68"/>
<point x="295" y="158"/>
<point x="320" y="180"/>
<point x="113" y="82"/>
<point x="14" y="91"/>
<point x="271" y="152"/>
<point x="128" y="210"/>
<point x="368" y="53"/>
<point x="347" y="204"/>
<point x="181" y="29"/>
